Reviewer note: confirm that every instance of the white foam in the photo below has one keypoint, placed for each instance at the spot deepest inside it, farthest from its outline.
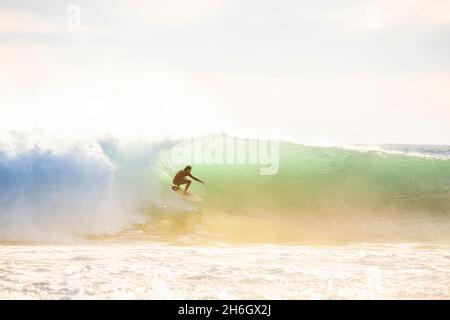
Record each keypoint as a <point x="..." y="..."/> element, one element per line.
<point x="56" y="192"/>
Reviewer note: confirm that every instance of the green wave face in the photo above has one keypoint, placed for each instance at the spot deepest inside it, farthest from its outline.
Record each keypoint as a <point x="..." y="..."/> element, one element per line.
<point x="309" y="178"/>
<point x="324" y="194"/>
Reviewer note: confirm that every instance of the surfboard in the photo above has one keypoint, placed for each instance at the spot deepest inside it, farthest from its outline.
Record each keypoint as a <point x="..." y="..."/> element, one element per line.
<point x="189" y="196"/>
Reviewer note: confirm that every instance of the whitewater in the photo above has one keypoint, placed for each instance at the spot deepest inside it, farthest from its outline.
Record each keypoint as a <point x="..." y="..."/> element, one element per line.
<point x="96" y="218"/>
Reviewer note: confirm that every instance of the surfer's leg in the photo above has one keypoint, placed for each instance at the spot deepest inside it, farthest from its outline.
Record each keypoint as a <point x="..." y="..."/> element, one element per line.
<point x="176" y="186"/>
<point x="188" y="183"/>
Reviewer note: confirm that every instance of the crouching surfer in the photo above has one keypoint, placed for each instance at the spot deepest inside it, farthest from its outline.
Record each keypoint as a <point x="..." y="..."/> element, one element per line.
<point x="180" y="179"/>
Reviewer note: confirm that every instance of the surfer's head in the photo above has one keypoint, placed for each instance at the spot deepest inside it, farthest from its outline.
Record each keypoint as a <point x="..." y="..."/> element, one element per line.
<point x="188" y="169"/>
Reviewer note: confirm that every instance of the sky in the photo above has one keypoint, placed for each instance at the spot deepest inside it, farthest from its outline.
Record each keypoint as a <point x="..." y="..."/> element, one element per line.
<point x="339" y="72"/>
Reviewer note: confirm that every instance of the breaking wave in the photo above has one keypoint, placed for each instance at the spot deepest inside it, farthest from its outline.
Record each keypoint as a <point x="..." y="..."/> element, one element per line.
<point x="107" y="187"/>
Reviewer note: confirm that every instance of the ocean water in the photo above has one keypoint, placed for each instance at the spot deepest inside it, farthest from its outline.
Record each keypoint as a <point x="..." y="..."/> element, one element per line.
<point x="156" y="271"/>
<point x="97" y="219"/>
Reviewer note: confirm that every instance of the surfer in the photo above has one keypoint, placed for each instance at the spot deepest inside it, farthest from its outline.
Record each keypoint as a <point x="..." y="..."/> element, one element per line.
<point x="180" y="179"/>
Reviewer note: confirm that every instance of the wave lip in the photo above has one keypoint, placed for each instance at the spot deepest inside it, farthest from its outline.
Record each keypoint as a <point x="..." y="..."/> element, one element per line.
<point x="419" y="150"/>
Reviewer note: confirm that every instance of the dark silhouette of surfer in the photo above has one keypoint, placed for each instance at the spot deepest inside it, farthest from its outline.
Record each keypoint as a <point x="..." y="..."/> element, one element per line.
<point x="180" y="179"/>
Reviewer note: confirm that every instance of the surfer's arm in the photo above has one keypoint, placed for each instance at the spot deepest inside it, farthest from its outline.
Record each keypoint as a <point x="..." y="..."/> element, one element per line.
<point x="196" y="179"/>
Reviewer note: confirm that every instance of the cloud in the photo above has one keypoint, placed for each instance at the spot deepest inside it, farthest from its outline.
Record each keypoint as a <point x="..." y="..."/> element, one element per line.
<point x="387" y="14"/>
<point x="101" y="19"/>
<point x="174" y="12"/>
<point x="42" y="15"/>
<point x="14" y="21"/>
